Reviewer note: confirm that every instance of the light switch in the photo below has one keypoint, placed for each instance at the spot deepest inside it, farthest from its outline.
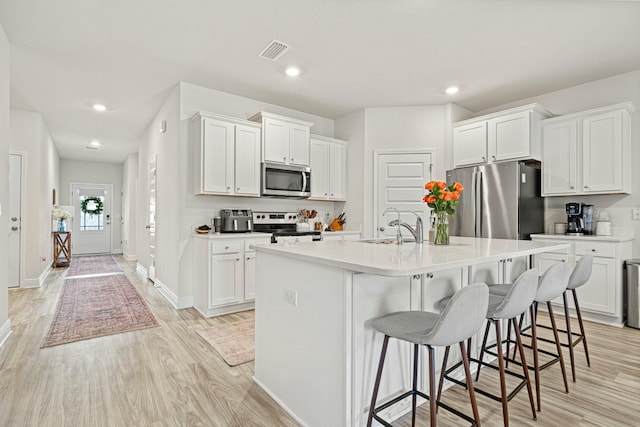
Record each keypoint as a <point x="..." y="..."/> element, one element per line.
<point x="635" y="212"/>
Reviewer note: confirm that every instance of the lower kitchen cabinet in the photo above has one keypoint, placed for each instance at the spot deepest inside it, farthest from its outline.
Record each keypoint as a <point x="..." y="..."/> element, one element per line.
<point x="224" y="274"/>
<point x="600" y="298"/>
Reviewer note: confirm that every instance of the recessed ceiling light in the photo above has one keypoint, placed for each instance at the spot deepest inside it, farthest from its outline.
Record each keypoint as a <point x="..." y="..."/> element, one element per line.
<point x="95" y="143"/>
<point x="292" y="71"/>
<point x="99" y="107"/>
<point x="452" y="89"/>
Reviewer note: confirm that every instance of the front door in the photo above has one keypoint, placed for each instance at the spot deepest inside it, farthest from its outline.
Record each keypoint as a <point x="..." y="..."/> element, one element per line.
<point x="401" y="179"/>
<point x="15" y="218"/>
<point x="91" y="219"/>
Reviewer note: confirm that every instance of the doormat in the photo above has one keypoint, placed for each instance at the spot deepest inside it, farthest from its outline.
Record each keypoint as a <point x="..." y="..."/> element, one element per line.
<point x="234" y="342"/>
<point x="93" y="307"/>
<point x="84" y="265"/>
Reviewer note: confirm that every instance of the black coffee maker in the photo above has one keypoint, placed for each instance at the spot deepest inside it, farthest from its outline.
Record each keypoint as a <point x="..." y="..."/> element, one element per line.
<point x="575" y="225"/>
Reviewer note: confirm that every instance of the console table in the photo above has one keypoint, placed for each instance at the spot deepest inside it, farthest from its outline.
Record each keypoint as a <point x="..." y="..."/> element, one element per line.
<point x="61" y="248"/>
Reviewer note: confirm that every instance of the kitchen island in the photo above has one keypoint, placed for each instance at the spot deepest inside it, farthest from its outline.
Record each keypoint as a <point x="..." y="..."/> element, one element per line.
<point x="316" y="355"/>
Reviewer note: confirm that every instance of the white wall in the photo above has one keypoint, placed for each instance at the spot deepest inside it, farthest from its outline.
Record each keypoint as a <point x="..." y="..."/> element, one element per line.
<point x="388" y="128"/>
<point x="29" y="134"/>
<point x="129" y="203"/>
<point x="5" y="325"/>
<point x="599" y="93"/>
<point x="179" y="209"/>
<point x="82" y="172"/>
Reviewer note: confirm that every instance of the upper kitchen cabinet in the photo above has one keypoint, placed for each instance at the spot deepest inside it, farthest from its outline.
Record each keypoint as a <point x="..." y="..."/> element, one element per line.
<point x="588" y="152"/>
<point x="284" y="140"/>
<point x="506" y="135"/>
<point x="328" y="168"/>
<point x="226" y="155"/>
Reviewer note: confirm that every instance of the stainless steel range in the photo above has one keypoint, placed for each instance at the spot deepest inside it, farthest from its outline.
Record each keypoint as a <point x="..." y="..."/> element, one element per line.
<point x="282" y="226"/>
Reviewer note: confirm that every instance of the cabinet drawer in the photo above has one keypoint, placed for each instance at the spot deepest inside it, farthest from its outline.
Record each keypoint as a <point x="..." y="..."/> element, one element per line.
<point x="596" y="249"/>
<point x="227" y="247"/>
<point x="260" y="241"/>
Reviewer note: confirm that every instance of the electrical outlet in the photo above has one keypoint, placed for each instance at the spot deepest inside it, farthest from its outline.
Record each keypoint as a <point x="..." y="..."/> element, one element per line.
<point x="635" y="212"/>
<point x="291" y="297"/>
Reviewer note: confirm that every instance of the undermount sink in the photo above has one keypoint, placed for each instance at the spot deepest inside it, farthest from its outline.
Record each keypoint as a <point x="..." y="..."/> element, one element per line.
<point x="387" y="241"/>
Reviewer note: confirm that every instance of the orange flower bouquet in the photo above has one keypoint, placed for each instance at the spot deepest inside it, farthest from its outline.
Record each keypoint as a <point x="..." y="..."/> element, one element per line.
<point x="442" y="200"/>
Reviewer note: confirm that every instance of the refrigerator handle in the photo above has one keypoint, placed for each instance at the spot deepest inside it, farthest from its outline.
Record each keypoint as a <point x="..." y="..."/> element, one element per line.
<point x="478" y="202"/>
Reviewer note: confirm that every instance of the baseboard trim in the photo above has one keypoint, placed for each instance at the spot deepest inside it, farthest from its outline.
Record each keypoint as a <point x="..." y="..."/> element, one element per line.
<point x="5" y="331"/>
<point x="129" y="257"/>
<point x="279" y="402"/>
<point x="140" y="269"/>
<point x="43" y="275"/>
<point x="175" y="301"/>
<point x="116" y="251"/>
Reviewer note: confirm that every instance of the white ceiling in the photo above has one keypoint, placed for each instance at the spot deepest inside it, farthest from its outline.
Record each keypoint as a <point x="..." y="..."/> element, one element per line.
<point x="69" y="54"/>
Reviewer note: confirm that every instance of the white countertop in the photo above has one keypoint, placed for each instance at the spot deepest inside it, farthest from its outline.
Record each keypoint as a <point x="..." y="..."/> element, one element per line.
<point x="410" y="258"/>
<point x="616" y="238"/>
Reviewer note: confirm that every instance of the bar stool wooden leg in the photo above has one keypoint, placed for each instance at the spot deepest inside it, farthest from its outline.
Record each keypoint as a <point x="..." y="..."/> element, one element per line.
<point x="484" y="344"/>
<point x="378" y="377"/>
<point x="534" y="346"/>
<point x="524" y="365"/>
<point x="416" y="357"/>
<point x="472" y="394"/>
<point x="442" y="372"/>
<point x="569" y="335"/>
<point x="584" y="337"/>
<point x="558" y="346"/>
<point x="503" y="381"/>
<point x="432" y="385"/>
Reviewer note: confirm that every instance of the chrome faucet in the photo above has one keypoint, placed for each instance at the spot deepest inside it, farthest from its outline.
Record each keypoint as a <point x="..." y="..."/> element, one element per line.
<point x="416" y="232"/>
<point x="393" y="223"/>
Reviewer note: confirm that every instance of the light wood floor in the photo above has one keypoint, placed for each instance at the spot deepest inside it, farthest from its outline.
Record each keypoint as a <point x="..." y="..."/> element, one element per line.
<point x="168" y="376"/>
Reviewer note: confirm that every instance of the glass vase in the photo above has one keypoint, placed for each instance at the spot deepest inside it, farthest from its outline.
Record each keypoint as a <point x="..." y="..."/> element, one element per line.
<point x="62" y="225"/>
<point x="442" y="229"/>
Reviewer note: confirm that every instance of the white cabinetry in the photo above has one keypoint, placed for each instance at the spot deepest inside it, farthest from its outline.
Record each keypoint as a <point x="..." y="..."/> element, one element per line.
<point x="507" y="135"/>
<point x="284" y="140"/>
<point x="226" y="155"/>
<point x="328" y="168"/>
<point x="601" y="297"/>
<point x="588" y="152"/>
<point x="224" y="274"/>
<point x="340" y="235"/>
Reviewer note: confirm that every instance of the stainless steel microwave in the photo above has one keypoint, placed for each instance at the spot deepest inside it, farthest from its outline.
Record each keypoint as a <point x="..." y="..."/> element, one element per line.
<point x="286" y="181"/>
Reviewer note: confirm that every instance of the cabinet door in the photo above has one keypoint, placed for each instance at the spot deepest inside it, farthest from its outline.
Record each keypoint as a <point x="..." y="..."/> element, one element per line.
<point x="249" y="276"/>
<point x="509" y="137"/>
<point x="599" y="293"/>
<point x="298" y="145"/>
<point x="227" y="283"/>
<point x="319" y="170"/>
<point x="217" y="156"/>
<point x="247" y="161"/>
<point x="470" y="144"/>
<point x="337" y="171"/>
<point x="275" y="140"/>
<point x="514" y="267"/>
<point x="602" y="152"/>
<point x="559" y="144"/>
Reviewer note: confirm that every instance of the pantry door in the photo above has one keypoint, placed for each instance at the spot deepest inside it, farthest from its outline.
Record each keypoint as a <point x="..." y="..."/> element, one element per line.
<point x="400" y="179"/>
<point x="91" y="230"/>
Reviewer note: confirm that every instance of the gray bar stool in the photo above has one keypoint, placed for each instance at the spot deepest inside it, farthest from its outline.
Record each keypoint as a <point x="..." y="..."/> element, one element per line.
<point x="551" y="285"/>
<point x="579" y="276"/>
<point x="461" y="318"/>
<point x="518" y="298"/>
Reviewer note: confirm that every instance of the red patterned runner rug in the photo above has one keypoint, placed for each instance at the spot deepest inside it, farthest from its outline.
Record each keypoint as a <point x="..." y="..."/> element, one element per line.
<point x="83" y="265"/>
<point x="97" y="306"/>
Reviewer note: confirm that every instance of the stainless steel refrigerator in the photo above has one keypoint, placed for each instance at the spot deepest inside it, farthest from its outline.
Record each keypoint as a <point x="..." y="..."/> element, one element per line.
<point x="500" y="200"/>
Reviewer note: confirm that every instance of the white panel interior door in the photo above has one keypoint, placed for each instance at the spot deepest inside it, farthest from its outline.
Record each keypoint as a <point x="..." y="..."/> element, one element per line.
<point x="401" y="179"/>
<point x="15" y="218"/>
<point x="151" y="218"/>
<point x="91" y="232"/>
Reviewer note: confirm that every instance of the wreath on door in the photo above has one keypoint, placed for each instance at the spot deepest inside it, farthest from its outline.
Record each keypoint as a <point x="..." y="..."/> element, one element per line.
<point x="92" y="206"/>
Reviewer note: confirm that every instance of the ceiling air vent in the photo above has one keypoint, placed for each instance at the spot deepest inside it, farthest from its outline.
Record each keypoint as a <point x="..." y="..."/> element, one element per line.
<point x="90" y="147"/>
<point x="274" y="50"/>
